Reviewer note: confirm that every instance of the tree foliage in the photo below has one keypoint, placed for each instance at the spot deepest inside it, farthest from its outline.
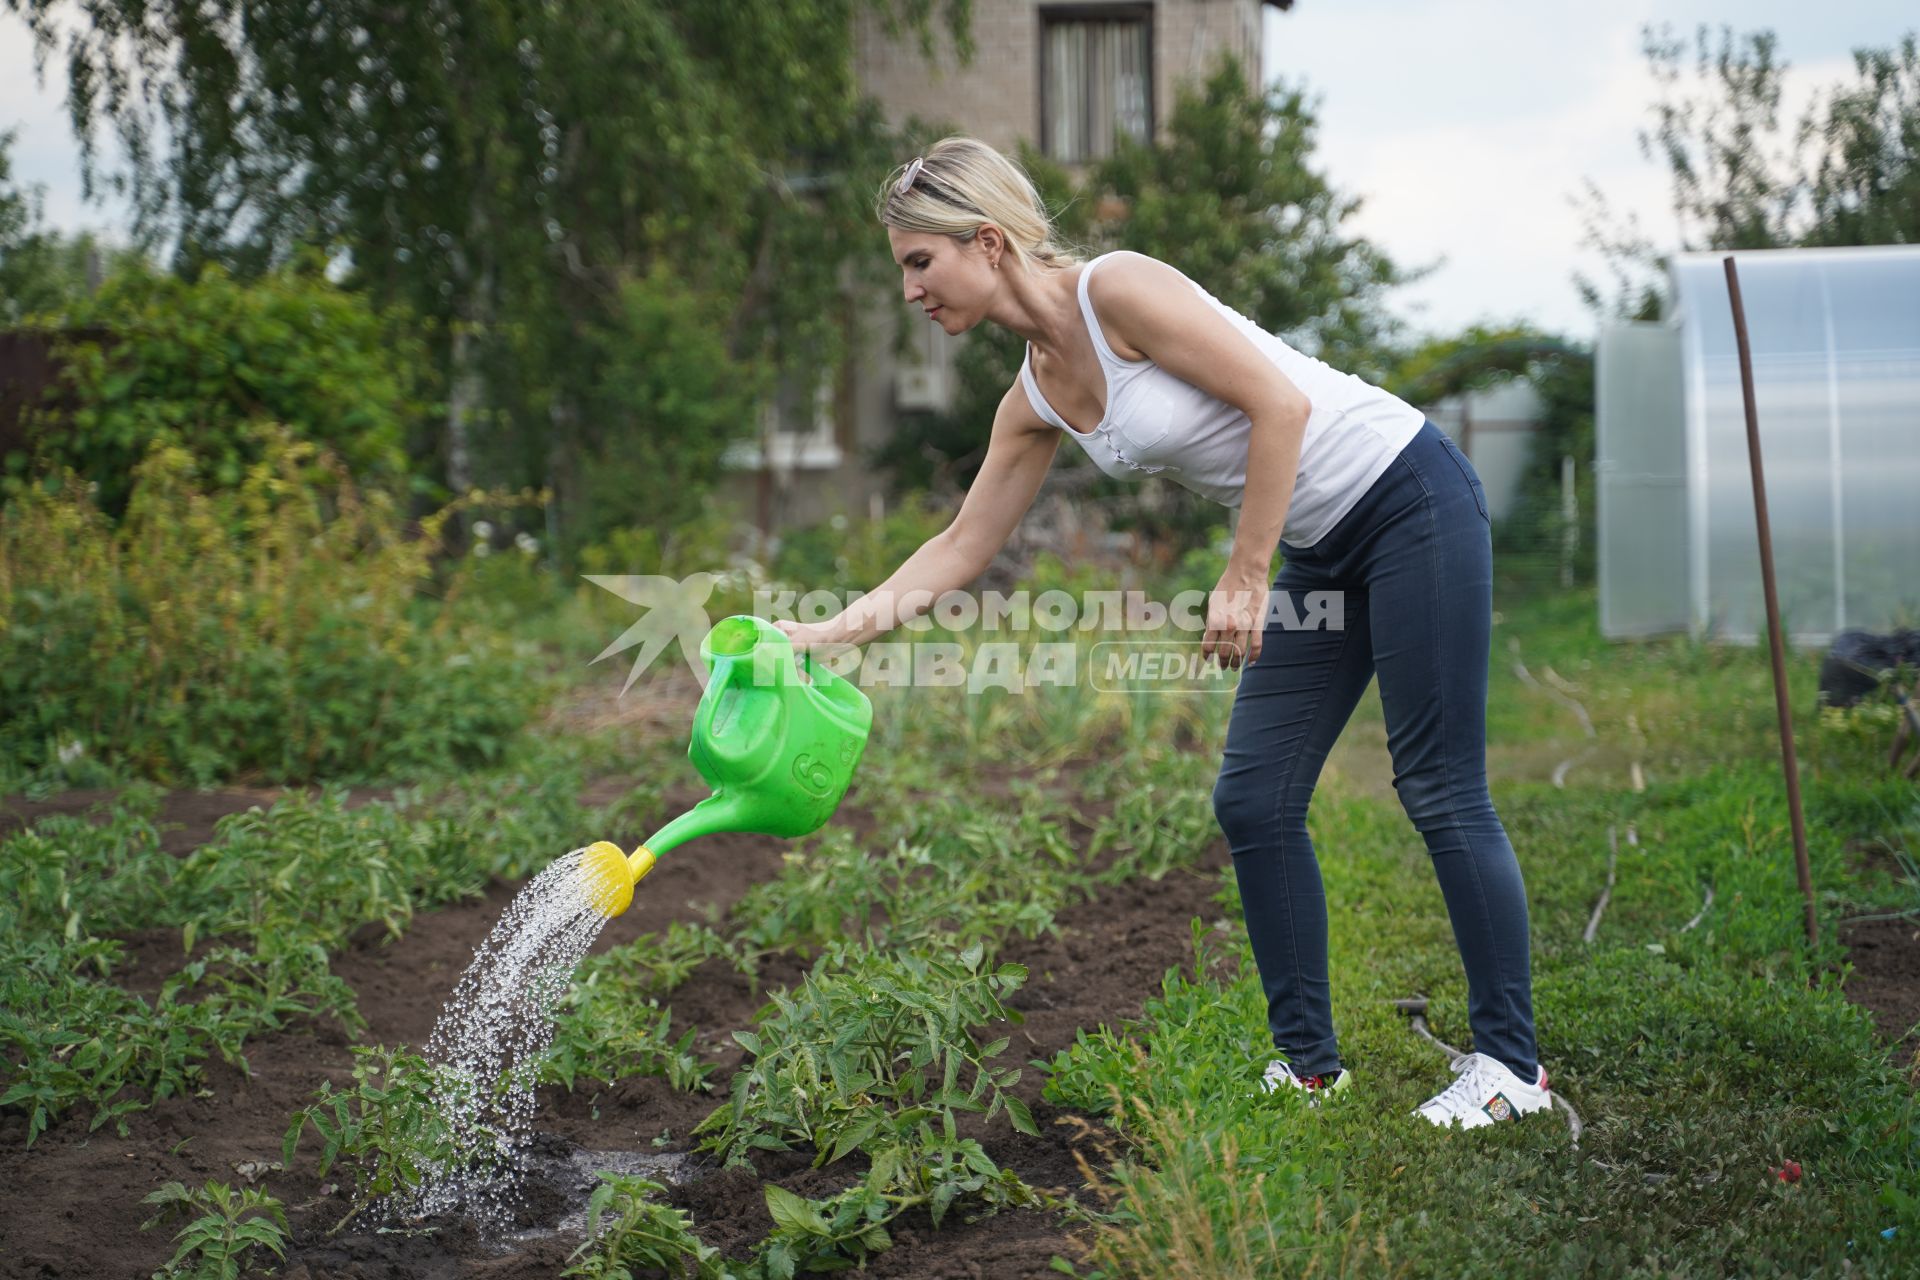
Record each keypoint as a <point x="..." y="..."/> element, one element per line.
<point x="667" y="399"/>
<point x="19" y="235"/>
<point x="1866" y="186"/>
<point x="1741" y="176"/>
<point x="1478" y="357"/>
<point x="1234" y="199"/>
<point x="1561" y="374"/>
<point x="508" y="168"/>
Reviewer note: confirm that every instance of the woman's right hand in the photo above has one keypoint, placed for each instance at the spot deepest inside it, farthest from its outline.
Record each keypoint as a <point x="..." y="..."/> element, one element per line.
<point x="823" y="638"/>
<point x="813" y="642"/>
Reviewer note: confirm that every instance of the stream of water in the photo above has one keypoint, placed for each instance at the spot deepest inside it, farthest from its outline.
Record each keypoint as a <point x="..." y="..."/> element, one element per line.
<point x="490" y="1040"/>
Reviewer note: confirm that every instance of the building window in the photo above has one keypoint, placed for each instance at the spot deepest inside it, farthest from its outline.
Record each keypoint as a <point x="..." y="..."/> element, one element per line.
<point x="796" y="430"/>
<point x="1096" y="79"/>
<point x="921" y="370"/>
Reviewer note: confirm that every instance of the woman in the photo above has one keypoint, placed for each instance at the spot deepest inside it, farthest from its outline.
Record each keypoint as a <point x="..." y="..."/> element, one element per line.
<point x="1147" y="372"/>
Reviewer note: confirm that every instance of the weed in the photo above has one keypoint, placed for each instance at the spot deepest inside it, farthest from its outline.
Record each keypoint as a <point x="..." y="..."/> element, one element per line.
<point x="1660" y="1050"/>
<point x="271" y="628"/>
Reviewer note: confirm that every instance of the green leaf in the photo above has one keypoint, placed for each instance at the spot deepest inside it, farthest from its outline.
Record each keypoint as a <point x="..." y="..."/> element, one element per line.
<point x="942" y="1197"/>
<point x="792" y="1213"/>
<point x="856" y="1137"/>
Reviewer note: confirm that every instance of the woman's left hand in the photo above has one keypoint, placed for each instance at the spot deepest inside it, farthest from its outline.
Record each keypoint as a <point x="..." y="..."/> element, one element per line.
<point x="1236" y="615"/>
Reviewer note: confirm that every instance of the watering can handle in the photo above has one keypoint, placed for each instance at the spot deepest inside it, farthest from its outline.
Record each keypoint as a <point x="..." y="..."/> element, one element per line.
<point x="807" y="657"/>
<point x="806" y="664"/>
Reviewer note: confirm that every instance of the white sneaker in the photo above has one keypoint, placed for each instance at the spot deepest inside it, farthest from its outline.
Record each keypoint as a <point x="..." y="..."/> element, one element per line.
<point x="1485" y="1091"/>
<point x="1279" y="1076"/>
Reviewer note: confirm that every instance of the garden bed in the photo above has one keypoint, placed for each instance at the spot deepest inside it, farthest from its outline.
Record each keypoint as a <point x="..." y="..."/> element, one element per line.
<point x="84" y="1216"/>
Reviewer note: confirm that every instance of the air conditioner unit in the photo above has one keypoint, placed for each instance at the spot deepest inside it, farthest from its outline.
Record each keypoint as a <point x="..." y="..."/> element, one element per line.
<point x="917" y="387"/>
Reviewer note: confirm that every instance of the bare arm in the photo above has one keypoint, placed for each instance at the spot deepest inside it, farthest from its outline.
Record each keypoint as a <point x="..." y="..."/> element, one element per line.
<point x="1152" y="308"/>
<point x="1019" y="452"/>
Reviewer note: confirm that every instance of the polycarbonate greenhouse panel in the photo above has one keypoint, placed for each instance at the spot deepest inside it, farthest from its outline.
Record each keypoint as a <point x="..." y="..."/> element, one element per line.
<point x="1835" y="337"/>
<point x="1640" y="473"/>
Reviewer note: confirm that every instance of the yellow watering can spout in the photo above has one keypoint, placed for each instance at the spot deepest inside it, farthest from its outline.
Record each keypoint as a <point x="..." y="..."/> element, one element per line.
<point x="610" y="875"/>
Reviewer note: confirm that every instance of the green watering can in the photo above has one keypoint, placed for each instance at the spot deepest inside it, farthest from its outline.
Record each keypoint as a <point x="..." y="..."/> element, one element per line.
<point x="777" y="750"/>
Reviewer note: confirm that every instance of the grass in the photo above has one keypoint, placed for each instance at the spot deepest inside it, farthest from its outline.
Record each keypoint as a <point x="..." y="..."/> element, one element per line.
<point x="1701" y="1059"/>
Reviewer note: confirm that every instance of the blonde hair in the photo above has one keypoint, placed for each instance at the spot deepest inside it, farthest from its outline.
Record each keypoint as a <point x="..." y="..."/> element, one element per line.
<point x="960" y="185"/>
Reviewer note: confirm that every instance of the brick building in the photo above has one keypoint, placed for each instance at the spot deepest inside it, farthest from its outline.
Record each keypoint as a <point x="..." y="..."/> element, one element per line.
<point x="1066" y="78"/>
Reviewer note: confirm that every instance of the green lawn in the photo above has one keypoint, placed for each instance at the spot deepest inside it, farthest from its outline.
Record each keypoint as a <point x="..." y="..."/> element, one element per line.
<point x="1700" y="1060"/>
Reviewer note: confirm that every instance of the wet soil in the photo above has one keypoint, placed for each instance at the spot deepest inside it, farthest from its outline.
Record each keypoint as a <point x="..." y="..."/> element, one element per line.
<point x="73" y="1204"/>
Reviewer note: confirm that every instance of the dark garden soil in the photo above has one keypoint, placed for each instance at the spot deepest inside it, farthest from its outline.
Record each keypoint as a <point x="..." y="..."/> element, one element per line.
<point x="1886" y="981"/>
<point x="1885" y="955"/>
<point x="186" y="817"/>
<point x="72" y="1202"/>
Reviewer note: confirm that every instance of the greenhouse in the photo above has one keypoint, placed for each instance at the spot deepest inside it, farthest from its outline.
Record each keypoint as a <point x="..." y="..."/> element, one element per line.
<point x="1835" y="338"/>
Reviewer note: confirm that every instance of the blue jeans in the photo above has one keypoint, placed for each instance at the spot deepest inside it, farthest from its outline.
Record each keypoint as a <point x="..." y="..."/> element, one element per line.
<point x="1414" y="563"/>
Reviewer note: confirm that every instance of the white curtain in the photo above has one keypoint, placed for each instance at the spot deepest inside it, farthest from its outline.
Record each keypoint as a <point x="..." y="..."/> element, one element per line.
<point x="1097" y="86"/>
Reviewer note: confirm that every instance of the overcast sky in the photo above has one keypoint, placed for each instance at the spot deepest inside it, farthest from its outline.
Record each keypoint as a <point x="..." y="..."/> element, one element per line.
<point x="1467" y="127"/>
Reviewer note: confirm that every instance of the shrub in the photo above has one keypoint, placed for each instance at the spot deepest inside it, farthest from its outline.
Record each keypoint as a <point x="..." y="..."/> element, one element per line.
<point x="704" y="543"/>
<point x="846" y="553"/>
<point x="272" y="629"/>
<point x="219" y="366"/>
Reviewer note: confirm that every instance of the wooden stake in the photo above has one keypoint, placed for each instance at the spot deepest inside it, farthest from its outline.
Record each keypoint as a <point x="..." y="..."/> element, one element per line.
<point x="1775" y="641"/>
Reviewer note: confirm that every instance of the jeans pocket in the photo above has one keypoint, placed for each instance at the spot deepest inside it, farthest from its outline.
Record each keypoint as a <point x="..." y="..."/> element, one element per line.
<point x="1468" y="474"/>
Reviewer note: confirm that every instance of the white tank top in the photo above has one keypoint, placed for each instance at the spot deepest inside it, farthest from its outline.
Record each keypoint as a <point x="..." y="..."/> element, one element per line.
<point x="1157" y="423"/>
